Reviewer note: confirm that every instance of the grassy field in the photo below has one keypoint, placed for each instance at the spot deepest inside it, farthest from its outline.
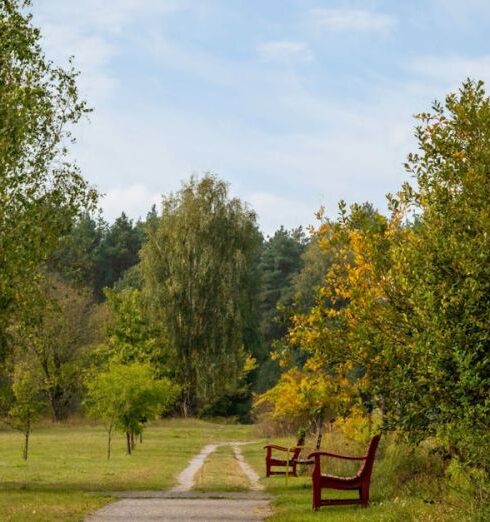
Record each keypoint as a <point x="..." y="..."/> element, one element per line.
<point x="68" y="475"/>
<point x="414" y="497"/>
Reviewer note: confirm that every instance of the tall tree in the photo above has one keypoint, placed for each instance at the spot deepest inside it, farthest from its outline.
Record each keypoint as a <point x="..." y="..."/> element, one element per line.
<point x="443" y="274"/>
<point x="280" y="263"/>
<point x="40" y="188"/>
<point x="118" y="251"/>
<point x="402" y="317"/>
<point x="96" y="254"/>
<point x="76" y="257"/>
<point x="197" y="278"/>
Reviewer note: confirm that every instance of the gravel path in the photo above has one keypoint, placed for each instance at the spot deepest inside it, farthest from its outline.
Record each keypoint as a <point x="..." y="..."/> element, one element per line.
<point x="203" y="510"/>
<point x="186" y="478"/>
<point x="182" y="504"/>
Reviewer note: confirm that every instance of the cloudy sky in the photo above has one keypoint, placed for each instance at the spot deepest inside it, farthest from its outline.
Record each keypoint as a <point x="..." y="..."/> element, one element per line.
<point x="297" y="103"/>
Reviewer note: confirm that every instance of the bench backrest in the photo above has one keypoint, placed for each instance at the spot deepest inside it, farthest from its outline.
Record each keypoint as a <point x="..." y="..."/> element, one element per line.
<point x="367" y="466"/>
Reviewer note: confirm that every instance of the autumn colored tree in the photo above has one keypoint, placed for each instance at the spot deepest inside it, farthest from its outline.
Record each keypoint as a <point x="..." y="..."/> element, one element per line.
<point x="401" y="314"/>
<point x="330" y="333"/>
<point x="301" y="399"/>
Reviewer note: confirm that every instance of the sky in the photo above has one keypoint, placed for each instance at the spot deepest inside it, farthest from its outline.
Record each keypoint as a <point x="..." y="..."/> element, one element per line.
<point x="296" y="103"/>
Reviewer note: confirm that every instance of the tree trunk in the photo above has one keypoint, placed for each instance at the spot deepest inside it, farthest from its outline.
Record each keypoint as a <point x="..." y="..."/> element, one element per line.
<point x="109" y="441"/>
<point x="132" y="440"/>
<point x="186" y="403"/>
<point x="141" y="437"/>
<point x="319" y="432"/>
<point x="59" y="403"/>
<point x="27" y="432"/>
<point x="128" y="443"/>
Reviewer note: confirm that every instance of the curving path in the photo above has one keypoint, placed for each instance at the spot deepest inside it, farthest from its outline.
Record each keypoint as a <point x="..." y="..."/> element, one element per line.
<point x="182" y="504"/>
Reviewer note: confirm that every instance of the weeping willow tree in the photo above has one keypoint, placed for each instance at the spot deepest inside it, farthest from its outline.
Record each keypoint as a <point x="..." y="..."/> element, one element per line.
<point x="197" y="270"/>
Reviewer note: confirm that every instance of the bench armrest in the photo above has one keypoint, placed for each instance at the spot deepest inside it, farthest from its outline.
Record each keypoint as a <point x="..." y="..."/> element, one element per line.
<point x="280" y="448"/>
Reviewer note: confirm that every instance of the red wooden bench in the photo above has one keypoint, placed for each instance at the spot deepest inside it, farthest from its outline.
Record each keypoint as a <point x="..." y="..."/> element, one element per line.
<point x="360" y="481"/>
<point x="289" y="463"/>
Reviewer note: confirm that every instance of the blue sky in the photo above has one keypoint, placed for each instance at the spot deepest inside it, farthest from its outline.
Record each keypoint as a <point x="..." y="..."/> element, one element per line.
<point x="296" y="103"/>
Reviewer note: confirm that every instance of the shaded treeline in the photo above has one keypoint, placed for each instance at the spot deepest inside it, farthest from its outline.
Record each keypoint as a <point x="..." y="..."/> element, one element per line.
<point x="94" y="256"/>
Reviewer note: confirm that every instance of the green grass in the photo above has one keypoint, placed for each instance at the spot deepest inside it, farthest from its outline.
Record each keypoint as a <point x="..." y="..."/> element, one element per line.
<point x="221" y="472"/>
<point x="413" y="501"/>
<point x="68" y="475"/>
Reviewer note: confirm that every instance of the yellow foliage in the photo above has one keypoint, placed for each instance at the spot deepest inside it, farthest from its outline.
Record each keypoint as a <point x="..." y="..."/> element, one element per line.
<point x="359" y="426"/>
<point x="299" y="398"/>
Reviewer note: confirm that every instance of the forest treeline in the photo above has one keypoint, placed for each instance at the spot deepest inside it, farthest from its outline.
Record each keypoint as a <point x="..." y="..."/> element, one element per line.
<point x="98" y="272"/>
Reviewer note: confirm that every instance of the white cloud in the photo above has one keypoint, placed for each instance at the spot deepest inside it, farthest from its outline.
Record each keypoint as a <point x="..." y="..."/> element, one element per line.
<point x="452" y="70"/>
<point x="108" y="17"/>
<point x="135" y="200"/>
<point x="353" y="20"/>
<point x="274" y="210"/>
<point x="94" y="32"/>
<point x="287" y="52"/>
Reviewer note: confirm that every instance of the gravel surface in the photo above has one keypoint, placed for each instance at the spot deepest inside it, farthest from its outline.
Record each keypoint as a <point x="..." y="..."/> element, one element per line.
<point x="204" y="510"/>
<point x="182" y="504"/>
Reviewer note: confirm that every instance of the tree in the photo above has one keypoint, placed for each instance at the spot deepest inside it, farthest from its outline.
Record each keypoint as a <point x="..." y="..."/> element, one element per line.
<point x="57" y="338"/>
<point x="126" y="395"/>
<point x="130" y="337"/>
<point x="403" y="312"/>
<point x="280" y="262"/>
<point x="301" y="399"/>
<point x="40" y="188"/>
<point x="96" y="255"/>
<point x="441" y="270"/>
<point x="23" y="403"/>
<point x="75" y="259"/>
<point x="196" y="268"/>
<point x="117" y="252"/>
<point x="308" y="280"/>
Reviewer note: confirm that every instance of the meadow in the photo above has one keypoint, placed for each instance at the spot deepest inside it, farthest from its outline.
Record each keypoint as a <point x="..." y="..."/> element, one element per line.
<point x="67" y="474"/>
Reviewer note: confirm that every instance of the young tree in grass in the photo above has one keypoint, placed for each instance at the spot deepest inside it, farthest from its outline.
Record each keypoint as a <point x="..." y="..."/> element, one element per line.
<point x="126" y="396"/>
<point x="24" y="403"/>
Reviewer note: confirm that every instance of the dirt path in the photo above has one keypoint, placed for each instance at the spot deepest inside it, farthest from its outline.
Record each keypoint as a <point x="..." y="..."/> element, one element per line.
<point x="252" y="476"/>
<point x="186" y="478"/>
<point x="182" y="504"/>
